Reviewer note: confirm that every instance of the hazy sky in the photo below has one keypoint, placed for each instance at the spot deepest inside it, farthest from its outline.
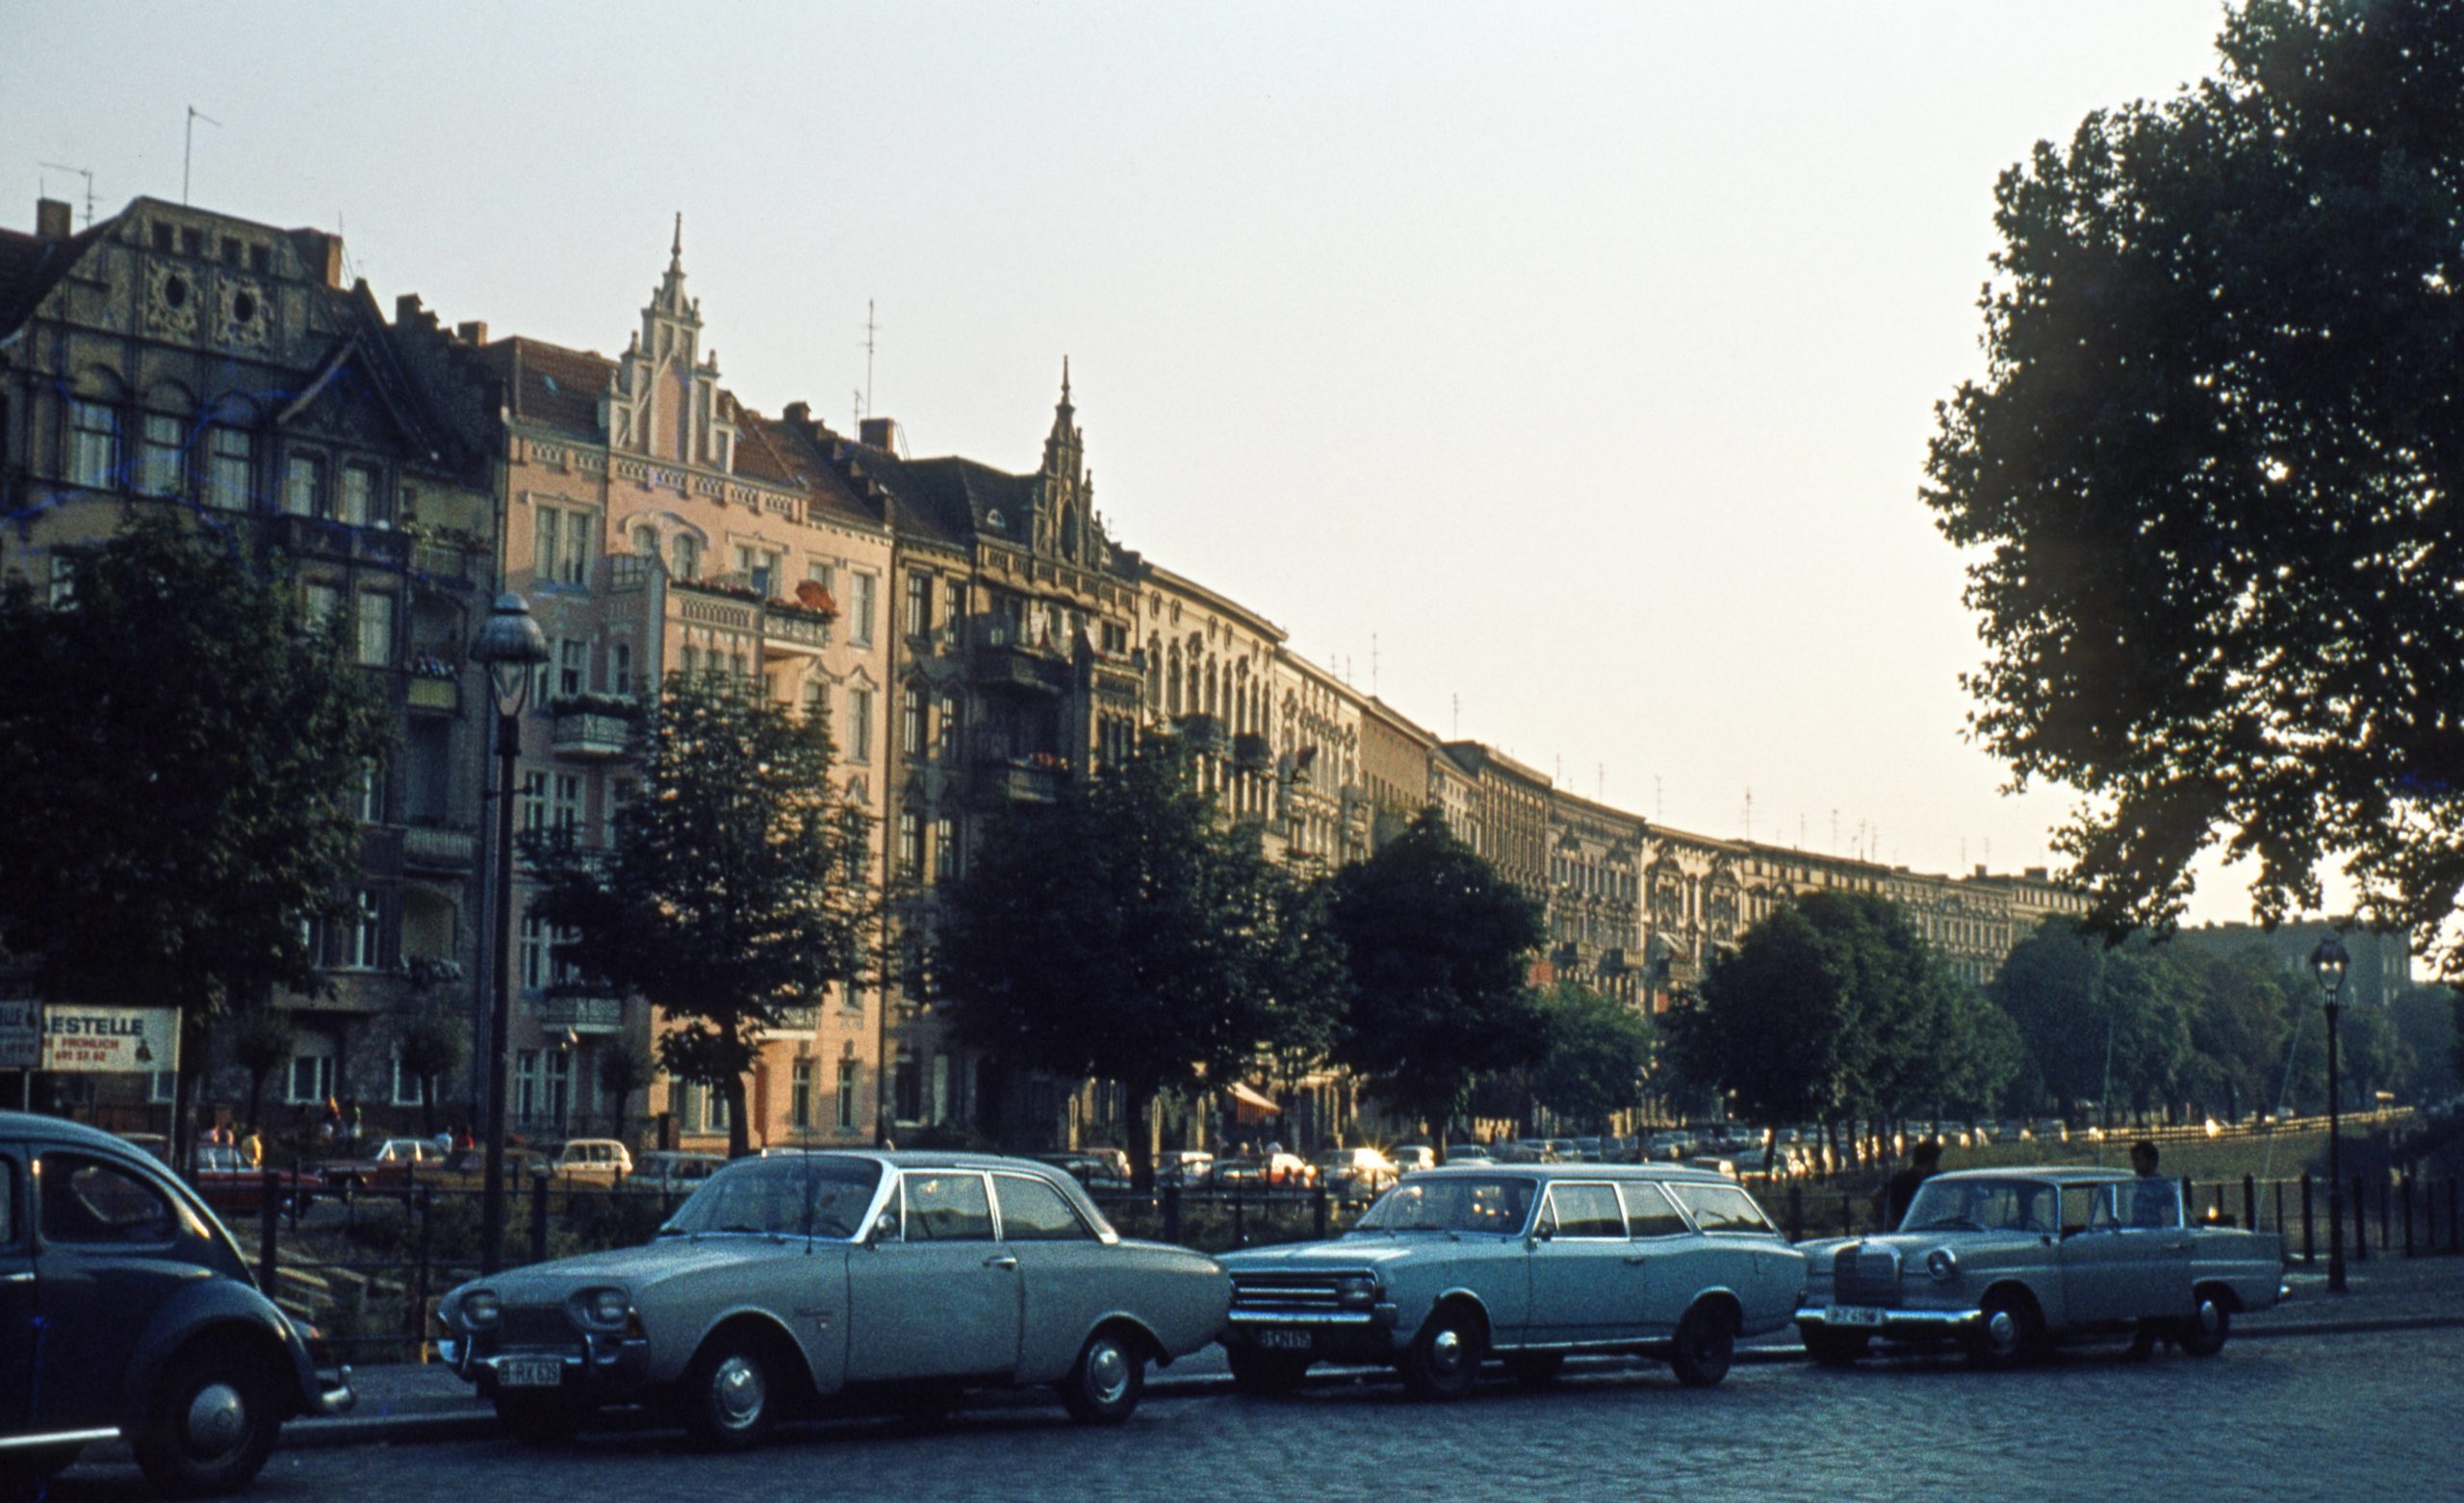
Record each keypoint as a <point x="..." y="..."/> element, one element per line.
<point x="1579" y="358"/>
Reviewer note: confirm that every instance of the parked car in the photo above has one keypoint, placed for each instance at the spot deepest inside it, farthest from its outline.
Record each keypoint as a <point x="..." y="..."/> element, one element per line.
<point x="130" y="1312"/>
<point x="2011" y="1260"/>
<point x="1456" y="1266"/>
<point x="790" y="1283"/>
<point x="1469" y="1153"/>
<point x="1412" y="1156"/>
<point x="1278" y="1171"/>
<point x="1188" y="1167"/>
<point x="667" y="1171"/>
<point x="232" y="1184"/>
<point x="391" y="1164"/>
<point x="1096" y="1168"/>
<point x="1360" y="1172"/>
<point x="600" y="1161"/>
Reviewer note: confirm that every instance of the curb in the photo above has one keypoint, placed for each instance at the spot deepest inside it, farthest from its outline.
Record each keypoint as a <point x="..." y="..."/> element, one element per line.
<point x="477" y="1422"/>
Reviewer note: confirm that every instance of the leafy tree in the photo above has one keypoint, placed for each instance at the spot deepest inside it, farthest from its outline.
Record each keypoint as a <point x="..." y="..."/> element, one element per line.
<point x="2206" y="480"/>
<point x="625" y="1071"/>
<point x="2102" y="1023"/>
<point x="737" y="888"/>
<point x="1984" y="1057"/>
<point x="433" y="1039"/>
<point x="1597" y="1049"/>
<point x="1126" y="931"/>
<point x="2237" y="1023"/>
<point x="1439" y="946"/>
<point x="180" y="746"/>
<point x="1775" y="1024"/>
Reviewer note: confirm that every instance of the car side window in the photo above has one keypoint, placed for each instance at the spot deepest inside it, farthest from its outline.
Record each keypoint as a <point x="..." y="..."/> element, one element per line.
<point x="1720" y="1207"/>
<point x="1648" y="1211"/>
<point x="8" y="1202"/>
<point x="947" y="1206"/>
<point x="1034" y="1212"/>
<point x="1585" y="1211"/>
<point x="88" y="1202"/>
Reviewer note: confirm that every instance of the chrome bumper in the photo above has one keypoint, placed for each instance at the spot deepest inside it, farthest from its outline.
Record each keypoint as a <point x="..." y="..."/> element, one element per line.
<point x="339" y="1399"/>
<point x="1899" y="1322"/>
<point x="1376" y="1316"/>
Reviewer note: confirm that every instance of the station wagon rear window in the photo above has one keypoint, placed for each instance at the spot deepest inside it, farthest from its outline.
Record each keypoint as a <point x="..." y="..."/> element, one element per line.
<point x="1720" y="1207"/>
<point x="1647" y="1210"/>
<point x="796" y="1195"/>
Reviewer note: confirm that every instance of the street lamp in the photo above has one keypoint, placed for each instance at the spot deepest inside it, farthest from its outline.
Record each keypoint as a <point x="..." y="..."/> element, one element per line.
<point x="2330" y="961"/>
<point x="510" y="646"/>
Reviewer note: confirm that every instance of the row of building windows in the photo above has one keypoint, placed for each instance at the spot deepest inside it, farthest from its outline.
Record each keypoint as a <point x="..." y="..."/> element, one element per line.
<point x="169" y="455"/>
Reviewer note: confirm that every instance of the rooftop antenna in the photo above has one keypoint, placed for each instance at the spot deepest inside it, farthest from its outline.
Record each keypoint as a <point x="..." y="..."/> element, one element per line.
<point x="856" y="411"/>
<point x="1454" y="702"/>
<point x="1373" y="663"/>
<point x="1659" y="806"/>
<point x="1749" y="814"/>
<point x="870" y="329"/>
<point x="87" y="173"/>
<point x="187" y="147"/>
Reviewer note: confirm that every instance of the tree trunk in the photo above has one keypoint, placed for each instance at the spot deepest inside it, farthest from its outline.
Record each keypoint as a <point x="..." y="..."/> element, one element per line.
<point x="257" y="1093"/>
<point x="739" y="1130"/>
<point x="1140" y="1105"/>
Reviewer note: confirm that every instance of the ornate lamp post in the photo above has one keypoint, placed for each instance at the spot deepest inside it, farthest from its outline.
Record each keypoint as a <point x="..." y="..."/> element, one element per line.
<point x="2330" y="961"/>
<point x="510" y="646"/>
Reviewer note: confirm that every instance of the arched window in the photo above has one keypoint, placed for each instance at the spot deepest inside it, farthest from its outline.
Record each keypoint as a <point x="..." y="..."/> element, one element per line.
<point x="1172" y="698"/>
<point x="1155" y="670"/>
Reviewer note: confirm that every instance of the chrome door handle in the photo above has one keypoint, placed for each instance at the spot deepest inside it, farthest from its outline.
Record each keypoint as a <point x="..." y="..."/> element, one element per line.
<point x="1637" y="1259"/>
<point x="21" y="1276"/>
<point x="1001" y="1261"/>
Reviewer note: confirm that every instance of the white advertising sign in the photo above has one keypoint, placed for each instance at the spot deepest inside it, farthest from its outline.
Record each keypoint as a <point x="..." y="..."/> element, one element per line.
<point x="110" y="1040"/>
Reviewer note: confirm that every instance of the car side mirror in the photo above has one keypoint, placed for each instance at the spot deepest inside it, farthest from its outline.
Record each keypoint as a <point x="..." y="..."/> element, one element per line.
<point x="1542" y="1232"/>
<point x="885" y="1229"/>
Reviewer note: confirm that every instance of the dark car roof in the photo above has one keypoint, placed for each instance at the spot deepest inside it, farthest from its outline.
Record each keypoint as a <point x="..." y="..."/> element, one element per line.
<point x="60" y="1130"/>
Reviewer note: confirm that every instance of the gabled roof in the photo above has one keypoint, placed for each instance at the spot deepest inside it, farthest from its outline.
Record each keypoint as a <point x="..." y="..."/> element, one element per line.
<point x="31" y="266"/>
<point x="549" y="385"/>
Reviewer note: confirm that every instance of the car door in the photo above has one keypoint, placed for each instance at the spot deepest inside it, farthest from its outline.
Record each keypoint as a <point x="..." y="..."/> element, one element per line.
<point x="2126" y="1260"/>
<point x="16" y="1296"/>
<point x="107" y="1253"/>
<point x="1586" y="1283"/>
<point x="1661" y="1243"/>
<point x="941" y="1298"/>
<point x="1068" y="1277"/>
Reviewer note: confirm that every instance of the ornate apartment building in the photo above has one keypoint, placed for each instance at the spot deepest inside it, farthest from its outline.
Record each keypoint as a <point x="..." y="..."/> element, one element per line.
<point x="176" y="359"/>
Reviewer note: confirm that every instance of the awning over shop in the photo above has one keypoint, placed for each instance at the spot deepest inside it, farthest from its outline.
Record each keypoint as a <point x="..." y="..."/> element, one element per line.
<point x="1250" y="1103"/>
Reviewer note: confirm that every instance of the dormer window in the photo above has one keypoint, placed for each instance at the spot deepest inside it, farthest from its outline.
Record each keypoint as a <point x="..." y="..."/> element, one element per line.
<point x="992" y="519"/>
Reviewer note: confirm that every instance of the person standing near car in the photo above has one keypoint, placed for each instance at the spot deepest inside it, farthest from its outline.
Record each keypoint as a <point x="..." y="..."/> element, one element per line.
<point x="2152" y="1206"/>
<point x="1924" y="1162"/>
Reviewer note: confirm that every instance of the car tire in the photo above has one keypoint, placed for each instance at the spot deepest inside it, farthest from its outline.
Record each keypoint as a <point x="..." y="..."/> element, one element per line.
<point x="1104" y="1387"/>
<point x="2203" y="1334"/>
<point x="731" y="1394"/>
<point x="214" y="1421"/>
<point x="1443" y="1360"/>
<point x="2012" y="1332"/>
<point x="1705" y="1347"/>
<point x="1265" y="1374"/>
<point x="1834" y="1348"/>
<point x="1536" y="1369"/>
<point x="537" y="1419"/>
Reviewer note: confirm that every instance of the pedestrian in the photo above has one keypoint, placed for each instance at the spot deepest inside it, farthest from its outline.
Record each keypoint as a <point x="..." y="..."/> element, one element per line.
<point x="253" y="1148"/>
<point x="1924" y="1162"/>
<point x="2155" y="1203"/>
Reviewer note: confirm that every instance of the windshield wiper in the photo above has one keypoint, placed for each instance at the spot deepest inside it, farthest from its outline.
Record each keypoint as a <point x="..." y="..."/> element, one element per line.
<point x="1954" y="1221"/>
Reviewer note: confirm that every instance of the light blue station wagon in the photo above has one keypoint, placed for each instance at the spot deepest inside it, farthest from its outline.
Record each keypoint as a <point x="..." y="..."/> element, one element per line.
<point x="1528" y="1264"/>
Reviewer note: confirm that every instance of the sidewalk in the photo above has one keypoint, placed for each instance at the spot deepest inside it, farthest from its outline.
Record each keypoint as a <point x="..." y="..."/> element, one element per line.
<point x="415" y="1402"/>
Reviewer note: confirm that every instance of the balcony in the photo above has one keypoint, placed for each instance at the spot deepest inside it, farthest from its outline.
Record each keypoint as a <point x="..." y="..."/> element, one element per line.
<point x="1002" y="661"/>
<point x="437" y="689"/>
<point x="1253" y="752"/>
<point x="795" y="630"/>
<point x="1613" y="962"/>
<point x="439" y="848"/>
<point x="588" y="1015"/>
<point x="444" y="562"/>
<point x="1202" y="734"/>
<point x="596" y="728"/>
<point x="1000" y="780"/>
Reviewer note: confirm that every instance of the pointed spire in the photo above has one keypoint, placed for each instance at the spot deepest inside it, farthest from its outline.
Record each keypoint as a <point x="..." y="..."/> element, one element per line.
<point x="1064" y="380"/>
<point x="675" y="247"/>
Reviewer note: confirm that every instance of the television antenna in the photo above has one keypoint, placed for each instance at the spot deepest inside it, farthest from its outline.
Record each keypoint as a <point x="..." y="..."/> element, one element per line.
<point x="87" y="173"/>
<point x="187" y="147"/>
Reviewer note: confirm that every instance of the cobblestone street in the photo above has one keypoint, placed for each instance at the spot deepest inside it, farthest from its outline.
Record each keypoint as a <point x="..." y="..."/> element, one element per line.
<point x="2289" y="1418"/>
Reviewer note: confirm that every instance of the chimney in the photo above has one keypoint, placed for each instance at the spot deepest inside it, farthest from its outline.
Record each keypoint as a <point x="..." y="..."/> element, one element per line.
<point x="799" y="415"/>
<point x="881" y="433"/>
<point x="323" y="254"/>
<point x="51" y="218"/>
<point x="473" y="332"/>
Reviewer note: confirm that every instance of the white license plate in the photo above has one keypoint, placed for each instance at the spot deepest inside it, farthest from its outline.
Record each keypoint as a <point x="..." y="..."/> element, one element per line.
<point x="1286" y="1340"/>
<point x="1853" y="1316"/>
<point x="530" y="1372"/>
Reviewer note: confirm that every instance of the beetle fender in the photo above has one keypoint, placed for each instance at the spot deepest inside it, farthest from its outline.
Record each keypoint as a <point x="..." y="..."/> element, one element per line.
<point x="224" y="1314"/>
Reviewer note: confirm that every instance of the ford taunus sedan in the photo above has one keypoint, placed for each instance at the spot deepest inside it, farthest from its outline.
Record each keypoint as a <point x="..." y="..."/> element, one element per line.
<point x="2009" y="1261"/>
<point x="126" y="1310"/>
<point x="802" y="1278"/>
<point x="1453" y="1265"/>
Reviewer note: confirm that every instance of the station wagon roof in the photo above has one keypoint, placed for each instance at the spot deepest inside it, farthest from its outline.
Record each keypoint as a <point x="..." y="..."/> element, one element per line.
<point x="2060" y="1173"/>
<point x="1668" y="1173"/>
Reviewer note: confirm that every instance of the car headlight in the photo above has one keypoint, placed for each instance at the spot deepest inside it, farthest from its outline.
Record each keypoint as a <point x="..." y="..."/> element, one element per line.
<point x="1943" y="1263"/>
<point x="481" y="1309"/>
<point x="601" y="1310"/>
<point x="1359" y="1291"/>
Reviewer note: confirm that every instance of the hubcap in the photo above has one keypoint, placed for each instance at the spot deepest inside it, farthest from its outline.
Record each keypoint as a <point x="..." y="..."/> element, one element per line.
<point x="2002" y="1329"/>
<point x="1108" y="1372"/>
<point x="2210" y="1316"/>
<point x="1446" y="1350"/>
<point x="737" y="1392"/>
<point x="217" y="1419"/>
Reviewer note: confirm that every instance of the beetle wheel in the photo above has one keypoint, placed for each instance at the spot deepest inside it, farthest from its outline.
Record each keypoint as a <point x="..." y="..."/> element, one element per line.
<point x="212" y="1424"/>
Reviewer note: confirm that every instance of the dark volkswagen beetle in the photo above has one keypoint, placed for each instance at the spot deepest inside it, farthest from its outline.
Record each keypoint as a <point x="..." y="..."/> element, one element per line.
<point x="127" y="1311"/>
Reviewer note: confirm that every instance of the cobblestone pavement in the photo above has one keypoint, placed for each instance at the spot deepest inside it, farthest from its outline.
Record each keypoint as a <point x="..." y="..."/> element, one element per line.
<point x="2289" y="1419"/>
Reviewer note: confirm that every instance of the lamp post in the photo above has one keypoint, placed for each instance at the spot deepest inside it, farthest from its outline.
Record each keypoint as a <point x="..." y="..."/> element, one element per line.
<point x="510" y="646"/>
<point x="2330" y="961"/>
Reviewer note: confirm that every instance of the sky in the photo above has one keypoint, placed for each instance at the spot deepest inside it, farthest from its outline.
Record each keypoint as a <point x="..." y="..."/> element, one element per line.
<point x="1563" y="373"/>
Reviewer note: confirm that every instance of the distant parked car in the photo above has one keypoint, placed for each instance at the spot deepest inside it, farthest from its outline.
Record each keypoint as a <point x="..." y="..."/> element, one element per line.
<point x="1094" y="1168"/>
<point x="1413" y="1157"/>
<point x="1188" y="1167"/>
<point x="1273" y="1171"/>
<point x="600" y="1161"/>
<point x="129" y="1311"/>
<point x="668" y="1172"/>
<point x="1468" y="1153"/>
<point x="1456" y="1266"/>
<point x="1360" y="1172"/>
<point x="235" y="1186"/>
<point x="390" y="1164"/>
<point x="788" y="1282"/>
<point x="2010" y="1260"/>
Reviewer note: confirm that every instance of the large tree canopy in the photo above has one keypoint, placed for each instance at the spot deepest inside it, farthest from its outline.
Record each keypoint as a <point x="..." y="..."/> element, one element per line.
<point x="1127" y="932"/>
<point x="738" y="889"/>
<point x="2210" y="474"/>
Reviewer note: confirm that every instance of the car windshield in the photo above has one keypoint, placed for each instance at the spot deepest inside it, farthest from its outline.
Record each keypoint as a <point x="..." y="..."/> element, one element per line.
<point x="1452" y="1205"/>
<point x="796" y="1195"/>
<point x="1982" y="1206"/>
